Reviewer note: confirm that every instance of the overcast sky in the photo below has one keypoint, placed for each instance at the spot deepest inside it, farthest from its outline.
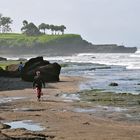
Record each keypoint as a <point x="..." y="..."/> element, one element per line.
<point x="98" y="21"/>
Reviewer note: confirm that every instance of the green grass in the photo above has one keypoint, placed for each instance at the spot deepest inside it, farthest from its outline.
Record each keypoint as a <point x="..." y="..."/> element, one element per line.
<point x="40" y="38"/>
<point x="21" y="40"/>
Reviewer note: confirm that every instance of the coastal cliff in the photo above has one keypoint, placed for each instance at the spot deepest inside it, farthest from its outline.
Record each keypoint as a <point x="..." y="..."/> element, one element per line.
<point x="67" y="44"/>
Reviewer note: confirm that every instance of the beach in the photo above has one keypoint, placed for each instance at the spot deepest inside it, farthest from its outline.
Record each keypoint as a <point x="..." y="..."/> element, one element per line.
<point x="55" y="114"/>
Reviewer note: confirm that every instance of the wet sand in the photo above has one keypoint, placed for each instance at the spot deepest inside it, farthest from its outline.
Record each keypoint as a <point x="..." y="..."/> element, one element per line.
<point x="56" y="114"/>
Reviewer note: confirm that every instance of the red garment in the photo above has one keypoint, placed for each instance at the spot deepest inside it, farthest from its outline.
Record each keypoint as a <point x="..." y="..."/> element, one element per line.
<point x="38" y="91"/>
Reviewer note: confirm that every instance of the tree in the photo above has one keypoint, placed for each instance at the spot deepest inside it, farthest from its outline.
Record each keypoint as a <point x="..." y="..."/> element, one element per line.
<point x="62" y="28"/>
<point x="56" y="28"/>
<point x="30" y="29"/>
<point x="42" y="26"/>
<point x="5" y="24"/>
<point x="47" y="26"/>
<point x="52" y="27"/>
<point x="25" y="22"/>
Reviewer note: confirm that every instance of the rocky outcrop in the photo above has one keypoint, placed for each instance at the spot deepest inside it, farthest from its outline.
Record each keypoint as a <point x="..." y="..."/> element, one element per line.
<point x="49" y="72"/>
<point x="4" y="126"/>
<point x="21" y="134"/>
<point x="113" y="48"/>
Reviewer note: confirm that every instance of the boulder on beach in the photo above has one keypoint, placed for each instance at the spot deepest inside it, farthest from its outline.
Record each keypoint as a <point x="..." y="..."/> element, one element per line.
<point x="50" y="72"/>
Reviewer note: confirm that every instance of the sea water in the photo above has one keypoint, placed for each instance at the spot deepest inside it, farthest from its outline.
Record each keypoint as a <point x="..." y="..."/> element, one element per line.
<point x="105" y="68"/>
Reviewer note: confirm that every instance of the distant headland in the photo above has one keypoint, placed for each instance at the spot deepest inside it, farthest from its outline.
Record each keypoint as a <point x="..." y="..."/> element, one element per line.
<point x="52" y="45"/>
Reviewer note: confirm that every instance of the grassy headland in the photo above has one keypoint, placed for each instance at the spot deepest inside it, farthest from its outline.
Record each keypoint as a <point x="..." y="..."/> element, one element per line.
<point x="66" y="44"/>
<point x="15" y="39"/>
<point x="12" y="43"/>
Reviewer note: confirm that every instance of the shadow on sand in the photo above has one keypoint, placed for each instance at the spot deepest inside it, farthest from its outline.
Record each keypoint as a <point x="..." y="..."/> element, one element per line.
<point x="13" y="84"/>
<point x="16" y="84"/>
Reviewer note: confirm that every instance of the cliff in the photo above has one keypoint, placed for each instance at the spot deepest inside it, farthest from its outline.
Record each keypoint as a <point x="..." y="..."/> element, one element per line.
<point x="55" y="45"/>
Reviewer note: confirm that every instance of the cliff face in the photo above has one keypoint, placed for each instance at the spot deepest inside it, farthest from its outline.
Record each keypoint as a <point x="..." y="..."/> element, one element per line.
<point x="58" y="45"/>
<point x="113" y="48"/>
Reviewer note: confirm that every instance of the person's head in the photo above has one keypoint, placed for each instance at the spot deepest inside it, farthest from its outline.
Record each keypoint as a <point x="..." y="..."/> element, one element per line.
<point x="20" y="62"/>
<point x="37" y="72"/>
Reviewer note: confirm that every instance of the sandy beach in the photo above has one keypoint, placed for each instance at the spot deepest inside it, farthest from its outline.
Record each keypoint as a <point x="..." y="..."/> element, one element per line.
<point x="56" y="115"/>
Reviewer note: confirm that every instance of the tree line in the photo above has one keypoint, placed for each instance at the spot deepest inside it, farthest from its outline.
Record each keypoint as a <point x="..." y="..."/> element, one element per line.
<point x="30" y="28"/>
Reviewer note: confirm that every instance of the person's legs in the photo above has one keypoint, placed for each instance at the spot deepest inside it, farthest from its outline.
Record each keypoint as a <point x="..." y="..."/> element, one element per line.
<point x="38" y="93"/>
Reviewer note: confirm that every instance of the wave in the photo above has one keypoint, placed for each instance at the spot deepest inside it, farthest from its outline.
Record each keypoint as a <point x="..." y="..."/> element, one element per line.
<point x="136" y="54"/>
<point x="130" y="61"/>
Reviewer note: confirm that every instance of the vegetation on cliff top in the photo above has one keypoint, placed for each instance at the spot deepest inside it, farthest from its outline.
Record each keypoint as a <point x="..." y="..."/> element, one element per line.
<point x="14" y="39"/>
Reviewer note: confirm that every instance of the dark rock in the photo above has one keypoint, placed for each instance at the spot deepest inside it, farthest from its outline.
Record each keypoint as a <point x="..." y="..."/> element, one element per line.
<point x="3" y="59"/>
<point x="113" y="84"/>
<point x="4" y="126"/>
<point x="49" y="72"/>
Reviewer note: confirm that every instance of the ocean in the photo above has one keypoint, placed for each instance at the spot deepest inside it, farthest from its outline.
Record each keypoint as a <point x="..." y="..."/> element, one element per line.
<point x="101" y="69"/>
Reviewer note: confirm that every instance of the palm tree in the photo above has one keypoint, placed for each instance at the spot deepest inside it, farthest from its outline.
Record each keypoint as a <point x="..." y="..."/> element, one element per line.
<point x="42" y="26"/>
<point x="56" y="28"/>
<point x="52" y="27"/>
<point x="62" y="28"/>
<point x="47" y="26"/>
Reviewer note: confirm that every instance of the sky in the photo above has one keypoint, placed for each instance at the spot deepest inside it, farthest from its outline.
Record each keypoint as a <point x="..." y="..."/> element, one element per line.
<point x="97" y="21"/>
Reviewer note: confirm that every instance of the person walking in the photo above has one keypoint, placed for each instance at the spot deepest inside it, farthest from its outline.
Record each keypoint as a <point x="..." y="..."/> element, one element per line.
<point x="20" y="67"/>
<point x="37" y="84"/>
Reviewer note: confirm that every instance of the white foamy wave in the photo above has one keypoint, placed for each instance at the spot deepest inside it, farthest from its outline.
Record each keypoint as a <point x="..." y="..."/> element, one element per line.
<point x="136" y="54"/>
<point x="134" y="66"/>
<point x="108" y="59"/>
<point x="130" y="61"/>
<point x="85" y="54"/>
